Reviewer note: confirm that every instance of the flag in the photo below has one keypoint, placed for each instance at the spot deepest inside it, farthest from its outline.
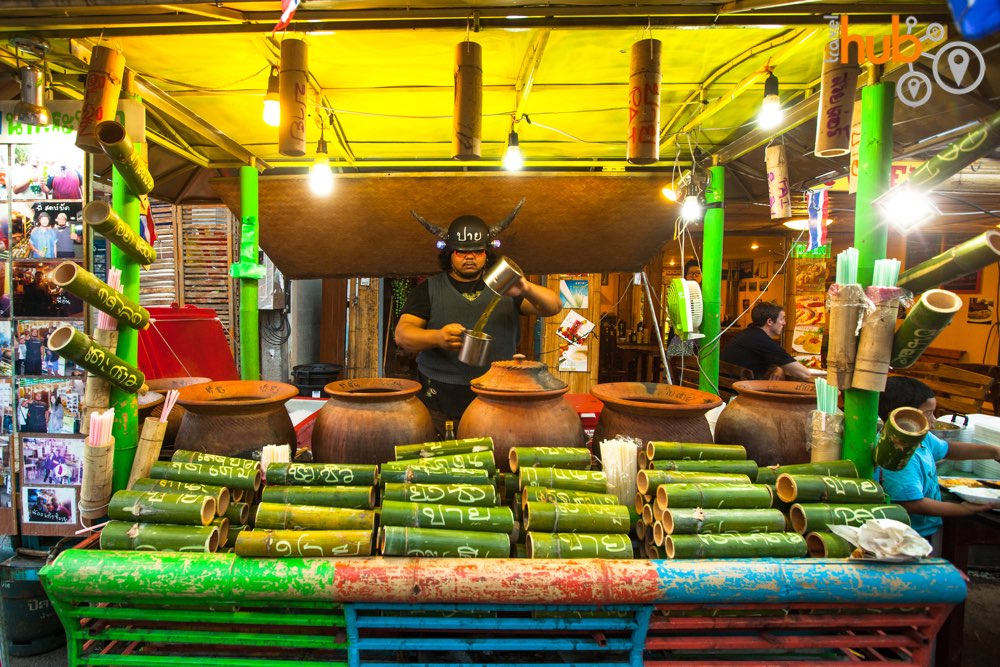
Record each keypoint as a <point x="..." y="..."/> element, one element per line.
<point x="288" y="8"/>
<point x="817" y="202"/>
<point x="147" y="226"/>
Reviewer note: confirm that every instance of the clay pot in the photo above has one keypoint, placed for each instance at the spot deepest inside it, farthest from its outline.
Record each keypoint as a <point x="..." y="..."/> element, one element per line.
<point x="235" y="417"/>
<point x="653" y="411"/>
<point x="147" y="403"/>
<point x="162" y="386"/>
<point x="770" y="419"/>
<point x="520" y="403"/>
<point x="366" y="418"/>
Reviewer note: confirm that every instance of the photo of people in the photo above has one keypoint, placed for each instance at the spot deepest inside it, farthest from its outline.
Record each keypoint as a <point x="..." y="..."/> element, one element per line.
<point x="4" y="230"/>
<point x="4" y="172"/>
<point x="50" y="170"/>
<point x="32" y="353"/>
<point x="6" y="349"/>
<point x="6" y="472"/>
<point x="47" y="230"/>
<point x="4" y="291"/>
<point x="49" y="505"/>
<point x="34" y="295"/>
<point x="48" y="406"/>
<point x="52" y="461"/>
<point x="6" y="405"/>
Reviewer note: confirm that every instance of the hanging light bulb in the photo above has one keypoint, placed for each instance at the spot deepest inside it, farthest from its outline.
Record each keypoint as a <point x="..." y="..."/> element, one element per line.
<point x="691" y="209"/>
<point x="512" y="159"/>
<point x="272" y="104"/>
<point x="31" y="110"/>
<point x="771" y="113"/>
<point x="669" y="192"/>
<point x="906" y="207"/>
<point x="321" y="175"/>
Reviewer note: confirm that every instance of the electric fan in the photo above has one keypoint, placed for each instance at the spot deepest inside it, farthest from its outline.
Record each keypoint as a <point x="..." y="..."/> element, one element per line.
<point x="684" y="307"/>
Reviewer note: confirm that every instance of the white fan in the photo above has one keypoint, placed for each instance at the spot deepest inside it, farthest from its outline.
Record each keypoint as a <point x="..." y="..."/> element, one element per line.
<point x="685" y="308"/>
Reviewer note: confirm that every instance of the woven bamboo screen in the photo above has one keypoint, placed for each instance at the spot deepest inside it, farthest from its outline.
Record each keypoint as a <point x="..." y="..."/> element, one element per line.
<point x="159" y="282"/>
<point x="206" y="252"/>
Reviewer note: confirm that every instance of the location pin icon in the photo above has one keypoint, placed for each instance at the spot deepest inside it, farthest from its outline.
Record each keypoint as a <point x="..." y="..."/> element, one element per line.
<point x="913" y="85"/>
<point x="958" y="63"/>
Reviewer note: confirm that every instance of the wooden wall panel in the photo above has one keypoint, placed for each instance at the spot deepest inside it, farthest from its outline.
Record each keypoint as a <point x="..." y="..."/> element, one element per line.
<point x="552" y="343"/>
<point x="363" y="328"/>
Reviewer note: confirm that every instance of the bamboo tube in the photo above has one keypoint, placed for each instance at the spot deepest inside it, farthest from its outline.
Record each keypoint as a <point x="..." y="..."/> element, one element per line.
<point x="659" y="534"/>
<point x="452" y="517"/>
<point x="641" y="500"/>
<point x="470" y="461"/>
<point x="748" y="468"/>
<point x="836" y="108"/>
<point x="120" y="149"/>
<point x="466" y="141"/>
<point x="222" y="523"/>
<point x="578" y="545"/>
<point x="561" y="518"/>
<point x="714" y="495"/>
<point x="237" y="495"/>
<point x="648" y="481"/>
<point x="95" y="490"/>
<point x="306" y="517"/>
<point x="929" y="317"/>
<point x="961" y="260"/>
<point x="844" y="313"/>
<point x="777" y="181"/>
<point x="824" y="489"/>
<point x="639" y="530"/>
<point x="321" y="474"/>
<point x="102" y="218"/>
<point x="352" y="497"/>
<point x="434" y="542"/>
<point x="234" y="533"/>
<point x="871" y="365"/>
<point x="900" y="436"/>
<point x="647" y="515"/>
<point x="567" y="458"/>
<point x="100" y="95"/>
<point x="293" y="87"/>
<point x="424" y="450"/>
<point x="187" y="456"/>
<point x="205" y="473"/>
<point x="855" y="159"/>
<point x="815" y="517"/>
<point x="828" y="545"/>
<point x="131" y="536"/>
<point x="72" y="344"/>
<point x="542" y="494"/>
<point x="75" y="279"/>
<point x="97" y="394"/>
<point x="508" y="485"/>
<point x="654" y="552"/>
<point x="303" y="543"/>
<point x="557" y="478"/>
<point x="148" y="450"/>
<point x="839" y="468"/>
<point x="691" y="521"/>
<point x="420" y="475"/>
<point x="238" y="513"/>
<point x="220" y="493"/>
<point x="680" y="451"/>
<point x="737" y="545"/>
<point x="162" y="507"/>
<point x="643" y="145"/>
<point x="479" y="495"/>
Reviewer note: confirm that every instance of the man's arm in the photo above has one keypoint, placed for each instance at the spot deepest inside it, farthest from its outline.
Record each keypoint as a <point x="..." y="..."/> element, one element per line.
<point x="797" y="371"/>
<point x="538" y="300"/>
<point x="970" y="451"/>
<point x="413" y="335"/>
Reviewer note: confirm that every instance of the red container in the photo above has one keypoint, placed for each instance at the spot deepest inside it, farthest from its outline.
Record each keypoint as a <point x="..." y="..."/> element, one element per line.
<point x="186" y="341"/>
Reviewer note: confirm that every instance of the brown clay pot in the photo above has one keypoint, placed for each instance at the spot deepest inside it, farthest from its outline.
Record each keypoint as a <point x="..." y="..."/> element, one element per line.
<point x="235" y="417"/>
<point x="162" y="386"/>
<point x="147" y="403"/>
<point x="653" y="411"/>
<point x="520" y="403"/>
<point x="770" y="419"/>
<point x="366" y="418"/>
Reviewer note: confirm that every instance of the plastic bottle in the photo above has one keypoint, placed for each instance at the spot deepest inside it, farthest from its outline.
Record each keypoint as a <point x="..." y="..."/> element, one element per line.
<point x="449" y="430"/>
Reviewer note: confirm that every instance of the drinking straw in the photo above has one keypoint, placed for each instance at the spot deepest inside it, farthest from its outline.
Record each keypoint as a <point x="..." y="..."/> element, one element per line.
<point x="168" y="404"/>
<point x="105" y="321"/>
<point x="847" y="267"/>
<point x="886" y="273"/>
<point x="826" y="397"/>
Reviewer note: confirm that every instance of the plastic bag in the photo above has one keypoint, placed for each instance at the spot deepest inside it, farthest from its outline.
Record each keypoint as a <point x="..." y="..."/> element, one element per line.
<point x="885" y="539"/>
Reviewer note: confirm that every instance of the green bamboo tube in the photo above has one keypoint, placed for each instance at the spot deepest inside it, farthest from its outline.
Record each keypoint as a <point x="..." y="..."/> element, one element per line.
<point x="567" y="458"/>
<point x="558" y="478"/>
<point x="451" y="517"/>
<point x="186" y="456"/>
<point x="563" y="518"/>
<point x="647" y="515"/>
<point x="900" y="436"/>
<point x="929" y="317"/>
<point x="639" y="530"/>
<point x="960" y="260"/>
<point x="222" y="523"/>
<point x="654" y="552"/>
<point x="238" y="514"/>
<point x="131" y="536"/>
<point x="118" y="146"/>
<point x="686" y="521"/>
<point x="103" y="219"/>
<point x="541" y="494"/>
<point x="748" y="468"/>
<point x="237" y="495"/>
<point x="72" y="344"/>
<point x="469" y="461"/>
<point x="205" y="473"/>
<point x="818" y="517"/>
<point x="75" y="279"/>
<point x="234" y="532"/>
<point x="220" y="493"/>
<point x="433" y="542"/>
<point x="737" y="545"/>
<point x="656" y="450"/>
<point x="659" y="534"/>
<point x="420" y="475"/>
<point x="841" y="468"/>
<point x="306" y="517"/>
<point x="641" y="500"/>
<point x="356" y="497"/>
<point x="824" y="489"/>
<point x="425" y="450"/>
<point x="714" y="495"/>
<point x="578" y="545"/>
<point x="303" y="543"/>
<point x="162" y="507"/>
<point x="321" y="474"/>
<point x="508" y="485"/>
<point x="828" y="545"/>
<point x="479" y="495"/>
<point x="649" y="481"/>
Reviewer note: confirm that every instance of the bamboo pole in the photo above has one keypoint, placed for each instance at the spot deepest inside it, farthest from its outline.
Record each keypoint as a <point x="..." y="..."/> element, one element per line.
<point x="205" y="473"/>
<point x="737" y="545"/>
<point x="479" y="495"/>
<point x="777" y="181"/>
<point x="186" y="456"/>
<point x="70" y="343"/>
<point x="162" y="507"/>
<point x="220" y="493"/>
<point x="452" y="517"/>
<point x="421" y="475"/>
<point x="100" y="95"/>
<point x="97" y="394"/>
<point x="249" y="272"/>
<point x="826" y="437"/>
<point x="871" y="364"/>
<point x="691" y="521"/>
<point x="423" y="450"/>
<point x="352" y="497"/>
<point x="839" y="82"/>
<point x="578" y="545"/>
<point x="321" y="474"/>
<point x="103" y="219"/>
<point x="466" y="141"/>
<point x="120" y="149"/>
<point x="571" y="458"/>
<point x="306" y="517"/>
<point x="643" y="146"/>
<point x="558" y="478"/>
<point x="748" y="468"/>
<point x="711" y="286"/>
<point x="542" y="494"/>
<point x="824" y="489"/>
<point x="75" y="279"/>
<point x="844" y="313"/>
<point x="682" y="451"/>
<point x="148" y="450"/>
<point x="98" y="469"/>
<point x="900" y="436"/>
<point x="469" y="461"/>
<point x="293" y="88"/>
<point x="828" y="545"/>
<point x="929" y="317"/>
<point x="815" y="517"/>
<point x="960" y="260"/>
<point x="570" y="518"/>
<point x="131" y="536"/>
<point x="238" y="513"/>
<point x="648" y="481"/>
<point x="979" y="142"/>
<point x="839" y="468"/>
<point x="714" y="495"/>
<point x="302" y="543"/>
<point x="433" y="542"/>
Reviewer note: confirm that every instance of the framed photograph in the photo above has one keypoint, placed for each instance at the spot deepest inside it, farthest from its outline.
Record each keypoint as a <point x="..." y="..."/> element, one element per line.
<point x="743" y="286"/>
<point x="36" y="296"/>
<point x="605" y="278"/>
<point x="573" y="358"/>
<point x="48" y="460"/>
<point x="48" y="230"/>
<point x="760" y="271"/>
<point x="574" y="293"/>
<point x="8" y="513"/>
<point x="752" y="286"/>
<point x="32" y="355"/>
<point x="981" y="311"/>
<point x="6" y="349"/>
<point x="47" y="170"/>
<point x="6" y="405"/>
<point x="4" y="229"/>
<point x="746" y="269"/>
<point x="746" y="304"/>
<point x="48" y="406"/>
<point x="49" y="505"/>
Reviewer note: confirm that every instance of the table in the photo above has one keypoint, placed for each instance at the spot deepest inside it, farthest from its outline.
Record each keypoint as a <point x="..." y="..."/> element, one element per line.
<point x="646" y="355"/>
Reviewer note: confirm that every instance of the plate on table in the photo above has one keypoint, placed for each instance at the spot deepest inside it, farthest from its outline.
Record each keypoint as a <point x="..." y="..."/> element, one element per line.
<point x="971" y="482"/>
<point x="976" y="495"/>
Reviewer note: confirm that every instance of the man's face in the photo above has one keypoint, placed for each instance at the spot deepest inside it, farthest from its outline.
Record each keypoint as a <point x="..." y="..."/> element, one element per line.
<point x="778" y="325"/>
<point x="43" y="220"/>
<point x="61" y="220"/>
<point x="468" y="264"/>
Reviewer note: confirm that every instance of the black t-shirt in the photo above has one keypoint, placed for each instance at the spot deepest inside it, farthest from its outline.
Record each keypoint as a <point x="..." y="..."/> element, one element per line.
<point x="755" y="350"/>
<point x="418" y="303"/>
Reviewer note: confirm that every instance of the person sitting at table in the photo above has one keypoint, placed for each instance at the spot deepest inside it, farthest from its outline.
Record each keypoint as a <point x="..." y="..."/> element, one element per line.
<point x="755" y="348"/>
<point x="915" y="487"/>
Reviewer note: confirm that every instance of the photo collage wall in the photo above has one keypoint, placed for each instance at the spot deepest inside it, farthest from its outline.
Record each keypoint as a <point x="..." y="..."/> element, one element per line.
<point x="42" y="191"/>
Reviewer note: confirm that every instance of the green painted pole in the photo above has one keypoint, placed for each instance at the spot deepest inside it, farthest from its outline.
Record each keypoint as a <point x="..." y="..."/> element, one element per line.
<point x="870" y="237"/>
<point x="711" y="279"/>
<point x="249" y="272"/>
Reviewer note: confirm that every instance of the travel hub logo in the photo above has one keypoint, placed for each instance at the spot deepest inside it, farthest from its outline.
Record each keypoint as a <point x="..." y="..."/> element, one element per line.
<point x="957" y="67"/>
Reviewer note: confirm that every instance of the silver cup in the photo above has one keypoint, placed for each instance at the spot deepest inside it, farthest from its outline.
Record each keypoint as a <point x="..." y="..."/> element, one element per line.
<point x="475" y="348"/>
<point x="503" y="275"/>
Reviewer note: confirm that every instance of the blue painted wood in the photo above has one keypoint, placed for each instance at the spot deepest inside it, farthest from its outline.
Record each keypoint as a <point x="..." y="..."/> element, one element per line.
<point x="494" y="624"/>
<point x="642" y="616"/>
<point x="351" y="618"/>
<point x="505" y="644"/>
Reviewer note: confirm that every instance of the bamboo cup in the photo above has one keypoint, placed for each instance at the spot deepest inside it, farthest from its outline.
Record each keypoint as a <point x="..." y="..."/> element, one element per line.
<point x="322" y="474"/>
<point x="777" y="181"/>
<point x="572" y="458"/>
<point x="726" y="467"/>
<point x="828" y="545"/>
<point x="647" y="481"/>
<point x="470" y="461"/>
<point x="75" y="279"/>
<point x="714" y="495"/>
<point x="293" y="87"/>
<point x="736" y="545"/>
<point x="929" y="317"/>
<point x="682" y="451"/>
<point x="838" y="87"/>
<point x="420" y="475"/>
<point x="425" y="450"/>
<point x="468" y="116"/>
<point x="841" y="468"/>
<point x="557" y="518"/>
<point x="900" y="436"/>
<point x="558" y="478"/>
<point x="453" y="517"/>
<point x="578" y="545"/>
<point x="844" y="312"/>
<point x="131" y="536"/>
<point x="542" y="494"/>
<point x="102" y="218"/>
<point x="147" y="452"/>
<point x="245" y="479"/>
<point x="434" y="542"/>
<point x="825" y="436"/>
<point x="162" y="507"/>
<point x="220" y="493"/>
<point x="963" y="259"/>
<point x="302" y="543"/>
<point x="643" y="145"/>
<point x="352" y="497"/>
<point x="691" y="521"/>
<point x="820" y="488"/>
<point x="100" y="95"/>
<point x="479" y="495"/>
<point x="238" y="514"/>
<point x="305" y="517"/>
<point x="95" y="491"/>
<point x="812" y="517"/>
<point x="69" y="343"/>
<point x="222" y="524"/>
<point x="187" y="456"/>
<point x="871" y="365"/>
<point x="120" y="149"/>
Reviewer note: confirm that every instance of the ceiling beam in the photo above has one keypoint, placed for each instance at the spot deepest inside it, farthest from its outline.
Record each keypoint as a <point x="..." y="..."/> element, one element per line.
<point x="737" y="6"/>
<point x="210" y="11"/>
<point x="529" y="67"/>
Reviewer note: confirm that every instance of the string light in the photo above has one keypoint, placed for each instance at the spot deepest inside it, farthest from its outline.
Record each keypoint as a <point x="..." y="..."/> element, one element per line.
<point x="272" y="104"/>
<point x="771" y="113"/>
<point x="512" y="158"/>
<point x="320" y="174"/>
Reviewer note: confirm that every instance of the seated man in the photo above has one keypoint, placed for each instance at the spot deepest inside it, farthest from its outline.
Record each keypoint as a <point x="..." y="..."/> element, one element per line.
<point x="756" y="349"/>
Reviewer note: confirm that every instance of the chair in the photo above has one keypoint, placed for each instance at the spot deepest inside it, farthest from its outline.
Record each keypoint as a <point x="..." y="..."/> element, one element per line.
<point x="957" y="390"/>
<point x="689" y="375"/>
<point x="610" y="364"/>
